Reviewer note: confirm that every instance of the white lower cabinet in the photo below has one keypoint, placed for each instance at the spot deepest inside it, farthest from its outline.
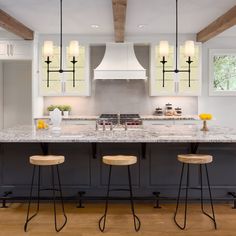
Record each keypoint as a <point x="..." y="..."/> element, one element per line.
<point x="170" y="122"/>
<point x="158" y="122"/>
<point x="79" y="122"/>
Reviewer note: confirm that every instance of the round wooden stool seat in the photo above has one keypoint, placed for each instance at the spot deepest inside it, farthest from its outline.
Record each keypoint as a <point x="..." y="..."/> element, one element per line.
<point x="47" y="160"/>
<point x="195" y="158"/>
<point x="119" y="160"/>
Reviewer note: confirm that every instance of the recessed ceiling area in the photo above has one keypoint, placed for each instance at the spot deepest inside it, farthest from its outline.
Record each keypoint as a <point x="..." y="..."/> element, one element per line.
<point x="157" y="16"/>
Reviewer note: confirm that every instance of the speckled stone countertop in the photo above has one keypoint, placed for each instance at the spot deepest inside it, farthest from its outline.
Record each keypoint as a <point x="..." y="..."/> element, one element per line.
<point x="143" y="117"/>
<point x="72" y="117"/>
<point x="183" y="117"/>
<point x="144" y="134"/>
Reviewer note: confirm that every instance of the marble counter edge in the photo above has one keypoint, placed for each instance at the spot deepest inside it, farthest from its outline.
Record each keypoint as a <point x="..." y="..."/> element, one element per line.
<point x="143" y="117"/>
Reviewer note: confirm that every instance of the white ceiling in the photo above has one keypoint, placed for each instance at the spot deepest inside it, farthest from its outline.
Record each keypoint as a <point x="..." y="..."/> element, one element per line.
<point x="158" y="16"/>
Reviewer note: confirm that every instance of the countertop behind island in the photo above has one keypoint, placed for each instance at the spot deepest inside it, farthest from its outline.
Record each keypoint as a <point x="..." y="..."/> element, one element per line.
<point x="143" y="117"/>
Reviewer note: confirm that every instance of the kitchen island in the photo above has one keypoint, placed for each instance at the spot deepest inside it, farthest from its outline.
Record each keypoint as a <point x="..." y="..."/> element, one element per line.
<point x="156" y="146"/>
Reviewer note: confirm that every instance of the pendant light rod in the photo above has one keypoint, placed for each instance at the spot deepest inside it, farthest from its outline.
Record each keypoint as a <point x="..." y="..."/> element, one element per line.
<point x="61" y="70"/>
<point x="166" y="51"/>
<point x="176" y="36"/>
<point x="75" y="53"/>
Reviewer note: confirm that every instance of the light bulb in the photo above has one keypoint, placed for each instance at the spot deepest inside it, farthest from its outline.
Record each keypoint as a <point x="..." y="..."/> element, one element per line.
<point x="48" y="48"/>
<point x="74" y="48"/>
<point x="164" y="48"/>
<point x="189" y="48"/>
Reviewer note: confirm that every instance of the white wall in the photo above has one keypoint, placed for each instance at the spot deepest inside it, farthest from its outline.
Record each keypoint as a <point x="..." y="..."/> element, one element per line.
<point x="1" y="95"/>
<point x="222" y="108"/>
<point x="17" y="100"/>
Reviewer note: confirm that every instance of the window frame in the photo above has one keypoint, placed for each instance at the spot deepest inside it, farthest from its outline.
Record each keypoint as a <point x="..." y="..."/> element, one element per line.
<point x="212" y="53"/>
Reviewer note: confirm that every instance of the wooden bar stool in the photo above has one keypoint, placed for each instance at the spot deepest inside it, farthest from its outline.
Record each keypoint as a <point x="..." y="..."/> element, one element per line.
<point x="52" y="161"/>
<point x="196" y="159"/>
<point x="119" y="161"/>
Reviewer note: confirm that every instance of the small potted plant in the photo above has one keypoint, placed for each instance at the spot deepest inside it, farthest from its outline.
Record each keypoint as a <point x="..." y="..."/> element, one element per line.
<point x="60" y="107"/>
<point x="51" y="108"/>
<point x="66" y="110"/>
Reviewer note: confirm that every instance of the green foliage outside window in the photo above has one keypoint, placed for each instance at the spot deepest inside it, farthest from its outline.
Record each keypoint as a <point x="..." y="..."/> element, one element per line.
<point x="224" y="72"/>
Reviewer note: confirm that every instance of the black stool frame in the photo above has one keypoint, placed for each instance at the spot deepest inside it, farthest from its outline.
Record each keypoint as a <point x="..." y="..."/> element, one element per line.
<point x="186" y="197"/>
<point x="137" y="223"/>
<point x="29" y="218"/>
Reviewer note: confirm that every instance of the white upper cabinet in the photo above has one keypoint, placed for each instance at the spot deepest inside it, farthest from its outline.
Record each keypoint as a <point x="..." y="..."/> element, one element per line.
<point x="62" y="84"/>
<point x="15" y="50"/>
<point x="175" y="84"/>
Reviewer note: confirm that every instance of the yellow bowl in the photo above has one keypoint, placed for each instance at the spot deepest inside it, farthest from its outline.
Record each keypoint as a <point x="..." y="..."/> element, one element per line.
<point x="205" y="116"/>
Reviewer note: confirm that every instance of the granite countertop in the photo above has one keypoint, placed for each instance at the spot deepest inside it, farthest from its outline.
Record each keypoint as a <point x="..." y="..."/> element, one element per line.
<point x="183" y="117"/>
<point x="144" y="134"/>
<point x="143" y="117"/>
<point x="72" y="117"/>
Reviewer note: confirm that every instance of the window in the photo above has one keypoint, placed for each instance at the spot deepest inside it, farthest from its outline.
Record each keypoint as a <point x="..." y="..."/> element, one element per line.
<point x="222" y="70"/>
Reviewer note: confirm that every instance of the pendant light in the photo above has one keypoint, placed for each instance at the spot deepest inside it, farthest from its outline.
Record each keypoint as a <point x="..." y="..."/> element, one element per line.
<point x="48" y="52"/>
<point x="189" y="51"/>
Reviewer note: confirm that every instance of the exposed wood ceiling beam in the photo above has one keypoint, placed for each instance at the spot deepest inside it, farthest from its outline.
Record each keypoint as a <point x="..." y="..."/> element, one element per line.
<point x="221" y="24"/>
<point x="119" y="15"/>
<point x="11" y="24"/>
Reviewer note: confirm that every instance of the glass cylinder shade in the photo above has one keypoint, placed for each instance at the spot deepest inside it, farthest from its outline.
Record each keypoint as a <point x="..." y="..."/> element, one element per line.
<point x="74" y="48"/>
<point x="48" y="48"/>
<point x="164" y="48"/>
<point x="189" y="48"/>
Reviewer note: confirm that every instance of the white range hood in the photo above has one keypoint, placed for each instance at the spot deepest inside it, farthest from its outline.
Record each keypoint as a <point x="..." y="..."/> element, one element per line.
<point x="119" y="62"/>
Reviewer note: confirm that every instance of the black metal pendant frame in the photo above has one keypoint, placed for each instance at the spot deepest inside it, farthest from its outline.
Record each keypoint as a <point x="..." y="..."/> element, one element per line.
<point x="189" y="61"/>
<point x="61" y="68"/>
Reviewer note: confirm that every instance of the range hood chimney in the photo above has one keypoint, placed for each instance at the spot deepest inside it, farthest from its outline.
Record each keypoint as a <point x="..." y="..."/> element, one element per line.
<point x="119" y="62"/>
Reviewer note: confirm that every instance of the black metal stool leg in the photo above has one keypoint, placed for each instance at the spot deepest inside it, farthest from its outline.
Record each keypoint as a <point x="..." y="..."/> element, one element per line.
<point x="62" y="201"/>
<point x="209" y="189"/>
<point x="54" y="200"/>
<point x="30" y="199"/>
<point x="186" y="198"/>
<point x="137" y="223"/>
<point x="103" y="218"/>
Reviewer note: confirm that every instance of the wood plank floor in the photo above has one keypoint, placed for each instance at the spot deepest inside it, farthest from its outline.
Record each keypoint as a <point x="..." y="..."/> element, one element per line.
<point x="84" y="222"/>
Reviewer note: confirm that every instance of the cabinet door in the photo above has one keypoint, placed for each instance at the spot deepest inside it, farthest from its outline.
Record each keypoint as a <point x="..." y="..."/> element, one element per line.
<point x="82" y="84"/>
<point x="195" y="75"/>
<point x="55" y="78"/>
<point x="20" y="50"/>
<point x="158" y="122"/>
<point x="4" y="50"/>
<point x="156" y="83"/>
